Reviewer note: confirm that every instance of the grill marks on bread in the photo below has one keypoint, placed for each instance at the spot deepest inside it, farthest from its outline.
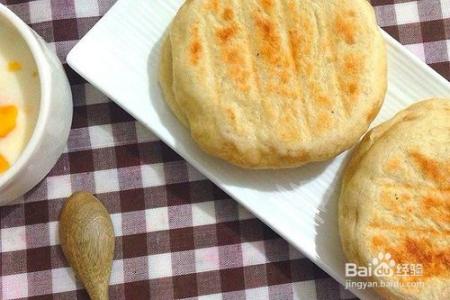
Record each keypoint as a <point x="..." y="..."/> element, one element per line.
<point x="414" y="250"/>
<point x="437" y="172"/>
<point x="196" y="46"/>
<point x="284" y="36"/>
<point x="231" y="52"/>
<point x="422" y="202"/>
<point x="345" y="28"/>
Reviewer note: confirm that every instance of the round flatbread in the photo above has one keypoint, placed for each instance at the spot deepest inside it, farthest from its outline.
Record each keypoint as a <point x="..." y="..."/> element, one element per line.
<point x="274" y="84"/>
<point x="395" y="200"/>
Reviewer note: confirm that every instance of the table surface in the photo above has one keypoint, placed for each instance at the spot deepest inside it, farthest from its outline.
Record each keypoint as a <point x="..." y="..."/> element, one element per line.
<point x="178" y="235"/>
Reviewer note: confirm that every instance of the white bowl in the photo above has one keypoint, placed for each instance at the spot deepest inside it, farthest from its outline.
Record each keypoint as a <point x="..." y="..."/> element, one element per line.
<point x="53" y="123"/>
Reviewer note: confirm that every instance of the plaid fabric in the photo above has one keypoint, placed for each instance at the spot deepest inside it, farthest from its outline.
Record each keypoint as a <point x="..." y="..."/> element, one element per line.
<point x="178" y="235"/>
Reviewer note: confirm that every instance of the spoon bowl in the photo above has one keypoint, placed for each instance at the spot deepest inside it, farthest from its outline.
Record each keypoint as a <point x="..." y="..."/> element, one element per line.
<point x="87" y="239"/>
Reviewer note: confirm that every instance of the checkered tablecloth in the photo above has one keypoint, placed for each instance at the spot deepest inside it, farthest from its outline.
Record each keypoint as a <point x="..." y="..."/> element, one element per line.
<point x="178" y="235"/>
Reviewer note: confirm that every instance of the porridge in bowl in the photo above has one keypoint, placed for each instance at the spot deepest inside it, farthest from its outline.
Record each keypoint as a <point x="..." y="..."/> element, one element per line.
<point x="19" y="95"/>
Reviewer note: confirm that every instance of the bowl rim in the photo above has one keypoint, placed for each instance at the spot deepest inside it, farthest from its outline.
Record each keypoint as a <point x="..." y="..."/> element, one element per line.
<point x="44" y="106"/>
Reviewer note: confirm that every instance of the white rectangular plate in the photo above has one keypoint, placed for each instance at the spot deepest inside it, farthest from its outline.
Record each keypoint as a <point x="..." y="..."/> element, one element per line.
<point x="120" y="56"/>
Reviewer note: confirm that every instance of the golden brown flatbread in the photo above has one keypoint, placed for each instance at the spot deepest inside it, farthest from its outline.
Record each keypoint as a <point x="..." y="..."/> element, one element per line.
<point x="395" y="199"/>
<point x="274" y="83"/>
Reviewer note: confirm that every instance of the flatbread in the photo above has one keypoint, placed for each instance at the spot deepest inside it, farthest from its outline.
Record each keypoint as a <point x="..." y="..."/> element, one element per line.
<point x="395" y="200"/>
<point x="275" y="84"/>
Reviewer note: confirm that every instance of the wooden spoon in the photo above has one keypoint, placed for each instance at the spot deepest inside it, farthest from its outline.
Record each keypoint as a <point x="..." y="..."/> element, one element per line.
<point x="87" y="240"/>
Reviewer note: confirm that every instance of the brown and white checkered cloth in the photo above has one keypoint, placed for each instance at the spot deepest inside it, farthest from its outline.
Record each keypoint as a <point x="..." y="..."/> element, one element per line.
<point x="178" y="235"/>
